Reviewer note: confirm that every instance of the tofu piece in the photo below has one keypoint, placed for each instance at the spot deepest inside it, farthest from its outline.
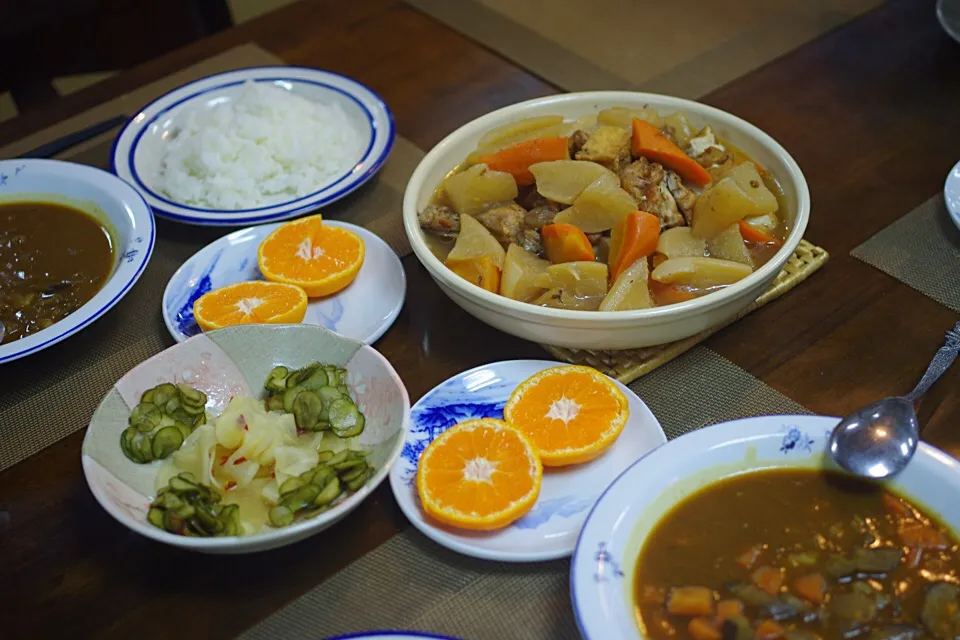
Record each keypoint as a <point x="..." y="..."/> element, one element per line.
<point x="608" y="146"/>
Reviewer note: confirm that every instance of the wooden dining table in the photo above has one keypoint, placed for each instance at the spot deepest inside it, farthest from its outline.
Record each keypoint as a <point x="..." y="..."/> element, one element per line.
<point x="869" y="111"/>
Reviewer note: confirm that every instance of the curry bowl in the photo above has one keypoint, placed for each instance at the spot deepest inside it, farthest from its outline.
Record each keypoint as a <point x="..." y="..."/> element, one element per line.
<point x="216" y="369"/>
<point x="75" y="282"/>
<point x="634" y="538"/>
<point x="616" y="329"/>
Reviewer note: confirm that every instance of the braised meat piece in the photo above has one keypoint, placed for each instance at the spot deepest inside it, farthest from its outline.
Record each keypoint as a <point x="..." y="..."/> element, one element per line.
<point x="539" y="216"/>
<point x="577" y="139"/>
<point x="440" y="220"/>
<point x="530" y="240"/>
<point x="685" y="198"/>
<point x="504" y="222"/>
<point x="644" y="181"/>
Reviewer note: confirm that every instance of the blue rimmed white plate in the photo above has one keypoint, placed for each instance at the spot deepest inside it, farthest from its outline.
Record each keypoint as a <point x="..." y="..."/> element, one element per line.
<point x="363" y="311"/>
<point x="551" y="528"/>
<point x="136" y="155"/>
<point x="111" y="202"/>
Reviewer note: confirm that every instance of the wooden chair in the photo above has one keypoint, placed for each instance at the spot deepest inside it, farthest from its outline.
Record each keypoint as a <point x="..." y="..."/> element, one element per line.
<point x="45" y="39"/>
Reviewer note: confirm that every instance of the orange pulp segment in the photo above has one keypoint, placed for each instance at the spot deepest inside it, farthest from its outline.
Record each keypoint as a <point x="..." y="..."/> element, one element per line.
<point x="572" y="413"/>
<point x="480" y="474"/>
<point x="318" y="258"/>
<point x="254" y="302"/>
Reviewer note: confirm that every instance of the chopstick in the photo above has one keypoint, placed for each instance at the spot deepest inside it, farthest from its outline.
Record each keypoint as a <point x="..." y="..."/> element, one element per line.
<point x="63" y="143"/>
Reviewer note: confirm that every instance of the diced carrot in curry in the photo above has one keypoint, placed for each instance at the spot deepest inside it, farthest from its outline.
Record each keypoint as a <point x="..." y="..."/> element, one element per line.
<point x="690" y="601"/>
<point x="727" y="609"/>
<point x="811" y="587"/>
<point x="768" y="579"/>
<point x="703" y="629"/>
<point x="749" y="557"/>
<point x="769" y="630"/>
<point x="921" y="536"/>
<point x="896" y="506"/>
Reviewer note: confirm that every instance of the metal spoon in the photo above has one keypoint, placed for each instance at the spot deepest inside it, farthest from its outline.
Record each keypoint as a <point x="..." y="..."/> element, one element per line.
<point x="879" y="440"/>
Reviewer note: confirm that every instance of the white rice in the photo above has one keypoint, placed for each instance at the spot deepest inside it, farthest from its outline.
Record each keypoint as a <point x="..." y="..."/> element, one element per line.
<point x="265" y="147"/>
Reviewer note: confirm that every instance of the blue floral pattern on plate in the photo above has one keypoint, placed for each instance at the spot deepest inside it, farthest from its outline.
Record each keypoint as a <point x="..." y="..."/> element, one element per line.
<point x="550" y="529"/>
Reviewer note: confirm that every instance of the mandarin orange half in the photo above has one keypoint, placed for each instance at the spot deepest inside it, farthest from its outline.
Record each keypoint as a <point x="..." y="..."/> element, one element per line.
<point x="316" y="257"/>
<point x="571" y="413"/>
<point x="480" y="474"/>
<point x="254" y="302"/>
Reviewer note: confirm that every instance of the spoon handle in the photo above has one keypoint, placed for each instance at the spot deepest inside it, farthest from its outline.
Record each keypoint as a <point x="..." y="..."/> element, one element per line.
<point x="941" y="362"/>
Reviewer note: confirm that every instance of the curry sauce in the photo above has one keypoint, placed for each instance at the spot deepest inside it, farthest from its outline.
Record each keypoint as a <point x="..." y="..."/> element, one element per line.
<point x="53" y="259"/>
<point x="798" y="555"/>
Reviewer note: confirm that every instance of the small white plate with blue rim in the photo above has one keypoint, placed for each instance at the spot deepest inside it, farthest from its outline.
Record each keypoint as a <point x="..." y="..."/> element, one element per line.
<point x="137" y="150"/>
<point x="363" y="311"/>
<point x="110" y="201"/>
<point x="550" y="529"/>
<point x="951" y="194"/>
<point x="603" y="570"/>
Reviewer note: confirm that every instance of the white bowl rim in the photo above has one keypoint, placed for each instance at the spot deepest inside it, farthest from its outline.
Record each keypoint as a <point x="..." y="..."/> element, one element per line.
<point x="523" y="310"/>
<point x="924" y="450"/>
<point x="951" y="187"/>
<point x="86" y="315"/>
<point x="271" y="534"/>
<point x="190" y="214"/>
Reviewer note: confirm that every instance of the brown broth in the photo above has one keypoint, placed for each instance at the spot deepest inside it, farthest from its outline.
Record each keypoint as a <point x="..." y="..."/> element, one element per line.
<point x="53" y="259"/>
<point x="789" y="514"/>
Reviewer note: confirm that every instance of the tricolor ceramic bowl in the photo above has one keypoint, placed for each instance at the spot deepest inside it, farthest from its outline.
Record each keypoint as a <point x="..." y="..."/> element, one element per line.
<point x="235" y="361"/>
<point x="603" y="571"/>
<point x="614" y="329"/>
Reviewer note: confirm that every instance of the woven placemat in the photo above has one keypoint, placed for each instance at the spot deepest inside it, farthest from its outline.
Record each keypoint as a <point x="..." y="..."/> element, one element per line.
<point x="629" y="364"/>
<point x="57" y="390"/>
<point x="585" y="45"/>
<point x="419" y="585"/>
<point x="921" y="250"/>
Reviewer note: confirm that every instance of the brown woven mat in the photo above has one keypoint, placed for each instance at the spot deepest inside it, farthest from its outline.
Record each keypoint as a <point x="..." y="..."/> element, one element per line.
<point x="685" y="48"/>
<point x="921" y="250"/>
<point x="53" y="393"/>
<point x="419" y="585"/>
<point x="629" y="364"/>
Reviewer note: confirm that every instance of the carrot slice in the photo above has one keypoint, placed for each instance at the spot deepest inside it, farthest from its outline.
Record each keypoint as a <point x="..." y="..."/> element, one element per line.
<point x="565" y="243"/>
<point x="703" y="629"/>
<point x="650" y="142"/>
<point x="728" y="609"/>
<point x="811" y="587"/>
<point x="751" y="234"/>
<point x="768" y="630"/>
<point x="690" y="601"/>
<point x="921" y="536"/>
<point x="631" y="239"/>
<point x="897" y="506"/>
<point x="768" y="579"/>
<point x="749" y="557"/>
<point x="482" y="272"/>
<point x="516" y="160"/>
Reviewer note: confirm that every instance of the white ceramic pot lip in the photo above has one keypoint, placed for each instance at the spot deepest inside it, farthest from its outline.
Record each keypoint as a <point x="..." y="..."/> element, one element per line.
<point x="523" y="310"/>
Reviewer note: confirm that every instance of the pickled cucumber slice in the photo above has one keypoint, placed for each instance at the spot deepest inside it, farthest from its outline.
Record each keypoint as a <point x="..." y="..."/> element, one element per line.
<point x="329" y="493"/>
<point x="307" y="408"/>
<point x="166" y="441"/>
<point x="345" y="419"/>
